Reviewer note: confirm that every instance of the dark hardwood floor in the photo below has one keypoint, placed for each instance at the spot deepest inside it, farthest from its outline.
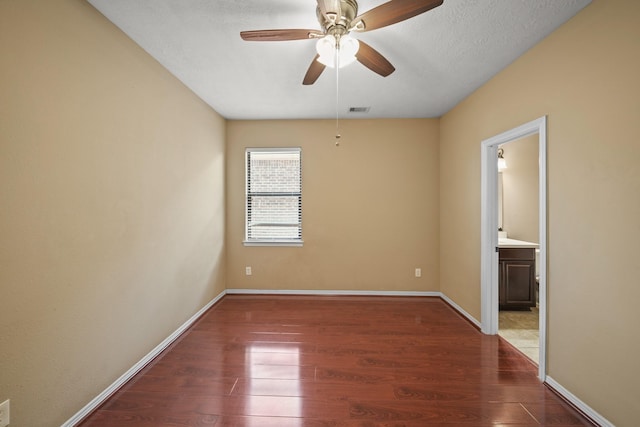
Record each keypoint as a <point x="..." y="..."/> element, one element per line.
<point x="343" y="361"/>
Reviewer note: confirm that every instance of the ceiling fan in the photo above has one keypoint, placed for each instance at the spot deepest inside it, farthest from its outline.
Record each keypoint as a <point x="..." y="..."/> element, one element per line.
<point x="337" y="19"/>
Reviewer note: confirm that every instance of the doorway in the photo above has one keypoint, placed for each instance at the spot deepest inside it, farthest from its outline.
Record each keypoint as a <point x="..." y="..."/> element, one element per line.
<point x="490" y="224"/>
<point x="518" y="234"/>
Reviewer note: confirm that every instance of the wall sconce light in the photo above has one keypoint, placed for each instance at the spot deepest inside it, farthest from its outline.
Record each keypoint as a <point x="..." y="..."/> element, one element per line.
<point x="502" y="163"/>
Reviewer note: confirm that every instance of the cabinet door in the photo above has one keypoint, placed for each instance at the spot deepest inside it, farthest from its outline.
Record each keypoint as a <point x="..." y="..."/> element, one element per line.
<point x="519" y="280"/>
<point x="502" y="285"/>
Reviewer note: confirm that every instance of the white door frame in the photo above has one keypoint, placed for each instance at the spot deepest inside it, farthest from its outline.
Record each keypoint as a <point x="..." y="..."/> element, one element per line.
<point x="489" y="230"/>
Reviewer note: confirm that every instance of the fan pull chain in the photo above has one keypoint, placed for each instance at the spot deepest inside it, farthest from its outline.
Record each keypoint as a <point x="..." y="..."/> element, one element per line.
<point x="337" y="65"/>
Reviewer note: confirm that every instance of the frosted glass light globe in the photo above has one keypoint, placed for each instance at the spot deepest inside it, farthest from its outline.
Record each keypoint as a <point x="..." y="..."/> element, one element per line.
<point x="346" y="51"/>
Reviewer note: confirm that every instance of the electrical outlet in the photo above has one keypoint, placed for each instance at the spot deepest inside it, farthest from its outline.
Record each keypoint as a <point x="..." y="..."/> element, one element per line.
<point x="418" y="272"/>
<point x="4" y="413"/>
<point x="247" y="271"/>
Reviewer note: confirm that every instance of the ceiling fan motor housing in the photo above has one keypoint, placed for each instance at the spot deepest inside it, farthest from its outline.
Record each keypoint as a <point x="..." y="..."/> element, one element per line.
<point x="340" y="14"/>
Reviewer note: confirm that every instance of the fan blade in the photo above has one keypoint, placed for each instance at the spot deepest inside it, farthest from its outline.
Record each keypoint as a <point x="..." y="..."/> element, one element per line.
<point x="315" y="69"/>
<point x="392" y="12"/>
<point x="279" y="35"/>
<point x="373" y="60"/>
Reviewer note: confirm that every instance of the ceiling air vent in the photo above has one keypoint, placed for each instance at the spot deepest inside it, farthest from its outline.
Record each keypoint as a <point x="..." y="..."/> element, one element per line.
<point x="359" y="109"/>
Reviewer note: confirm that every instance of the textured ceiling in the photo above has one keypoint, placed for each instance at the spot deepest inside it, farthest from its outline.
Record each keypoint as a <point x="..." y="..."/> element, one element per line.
<point x="440" y="56"/>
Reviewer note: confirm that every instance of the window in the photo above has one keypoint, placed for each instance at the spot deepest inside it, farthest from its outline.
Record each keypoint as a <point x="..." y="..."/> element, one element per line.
<point x="274" y="196"/>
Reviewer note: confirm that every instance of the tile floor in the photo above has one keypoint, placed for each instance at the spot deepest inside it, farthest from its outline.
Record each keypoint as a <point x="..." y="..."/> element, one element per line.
<point x="520" y="329"/>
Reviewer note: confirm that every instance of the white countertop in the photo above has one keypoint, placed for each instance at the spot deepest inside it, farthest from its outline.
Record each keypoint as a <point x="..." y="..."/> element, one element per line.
<point x="512" y="243"/>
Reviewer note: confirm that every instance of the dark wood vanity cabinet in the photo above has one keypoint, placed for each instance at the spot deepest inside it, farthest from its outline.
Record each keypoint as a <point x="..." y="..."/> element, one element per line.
<point x="517" y="278"/>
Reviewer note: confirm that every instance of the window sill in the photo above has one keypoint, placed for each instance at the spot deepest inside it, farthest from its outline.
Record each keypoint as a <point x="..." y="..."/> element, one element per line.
<point x="273" y="243"/>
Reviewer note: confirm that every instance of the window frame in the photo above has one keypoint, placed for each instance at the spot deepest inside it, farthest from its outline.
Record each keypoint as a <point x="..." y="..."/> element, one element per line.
<point x="270" y="242"/>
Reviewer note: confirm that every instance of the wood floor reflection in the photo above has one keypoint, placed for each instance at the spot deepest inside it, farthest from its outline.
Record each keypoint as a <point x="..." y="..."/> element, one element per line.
<point x="301" y="361"/>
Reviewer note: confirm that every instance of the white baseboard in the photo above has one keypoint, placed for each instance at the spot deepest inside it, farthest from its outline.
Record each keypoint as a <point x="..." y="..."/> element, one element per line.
<point x="586" y="409"/>
<point x="102" y="397"/>
<point x="460" y="310"/>
<point x="333" y="292"/>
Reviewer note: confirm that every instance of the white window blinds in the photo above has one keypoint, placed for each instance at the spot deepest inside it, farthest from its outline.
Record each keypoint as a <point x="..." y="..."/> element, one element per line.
<point x="274" y="195"/>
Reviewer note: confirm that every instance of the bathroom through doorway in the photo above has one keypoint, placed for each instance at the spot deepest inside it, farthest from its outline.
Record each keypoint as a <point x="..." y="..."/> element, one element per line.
<point x="518" y="245"/>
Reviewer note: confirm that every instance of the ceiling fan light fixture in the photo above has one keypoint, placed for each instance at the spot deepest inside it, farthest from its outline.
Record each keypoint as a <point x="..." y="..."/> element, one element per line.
<point x="347" y="49"/>
<point x="337" y="18"/>
<point x="325" y="46"/>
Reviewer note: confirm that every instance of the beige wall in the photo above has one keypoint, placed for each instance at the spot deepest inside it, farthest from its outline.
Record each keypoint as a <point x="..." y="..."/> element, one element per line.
<point x="370" y="206"/>
<point x="520" y="189"/>
<point x="112" y="206"/>
<point x="584" y="77"/>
